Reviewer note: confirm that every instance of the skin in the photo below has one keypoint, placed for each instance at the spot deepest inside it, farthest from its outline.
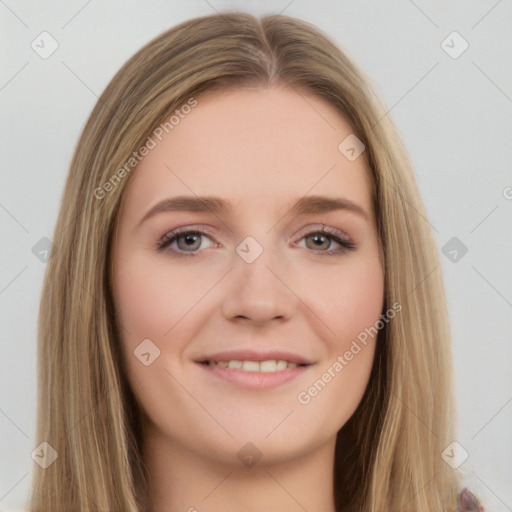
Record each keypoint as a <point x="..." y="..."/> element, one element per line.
<point x="261" y="149"/>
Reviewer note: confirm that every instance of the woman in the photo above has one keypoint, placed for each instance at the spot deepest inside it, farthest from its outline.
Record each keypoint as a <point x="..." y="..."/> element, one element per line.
<point x="244" y="309"/>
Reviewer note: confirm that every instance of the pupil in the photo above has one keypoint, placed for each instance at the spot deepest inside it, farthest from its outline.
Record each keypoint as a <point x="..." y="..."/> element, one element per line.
<point x="318" y="240"/>
<point x="190" y="241"/>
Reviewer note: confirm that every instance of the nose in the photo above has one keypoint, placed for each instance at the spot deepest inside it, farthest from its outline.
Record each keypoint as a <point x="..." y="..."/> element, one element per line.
<point x="259" y="292"/>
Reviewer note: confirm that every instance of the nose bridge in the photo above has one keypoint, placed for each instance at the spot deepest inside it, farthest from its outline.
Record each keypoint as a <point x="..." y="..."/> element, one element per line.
<point x="255" y="259"/>
<point x="257" y="290"/>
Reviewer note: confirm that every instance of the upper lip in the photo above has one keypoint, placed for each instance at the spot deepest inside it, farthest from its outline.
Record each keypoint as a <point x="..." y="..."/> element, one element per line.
<point x="254" y="355"/>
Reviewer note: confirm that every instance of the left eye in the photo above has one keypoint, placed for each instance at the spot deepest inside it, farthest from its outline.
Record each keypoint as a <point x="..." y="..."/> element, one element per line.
<point x="188" y="242"/>
<point x="321" y="238"/>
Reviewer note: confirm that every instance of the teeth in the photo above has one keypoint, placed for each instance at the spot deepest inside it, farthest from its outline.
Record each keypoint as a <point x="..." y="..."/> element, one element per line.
<point x="251" y="366"/>
<point x="281" y="365"/>
<point x="254" y="366"/>
<point x="268" y="366"/>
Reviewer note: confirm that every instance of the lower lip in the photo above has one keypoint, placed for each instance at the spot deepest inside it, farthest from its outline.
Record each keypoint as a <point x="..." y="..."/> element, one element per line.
<point x="255" y="380"/>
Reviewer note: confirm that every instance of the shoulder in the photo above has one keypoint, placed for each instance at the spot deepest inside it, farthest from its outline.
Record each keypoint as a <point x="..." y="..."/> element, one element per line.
<point x="468" y="502"/>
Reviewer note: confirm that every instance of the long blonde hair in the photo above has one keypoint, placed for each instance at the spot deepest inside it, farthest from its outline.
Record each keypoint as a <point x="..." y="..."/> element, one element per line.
<point x="388" y="455"/>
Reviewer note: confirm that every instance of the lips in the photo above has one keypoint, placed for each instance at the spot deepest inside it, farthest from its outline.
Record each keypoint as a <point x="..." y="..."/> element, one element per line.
<point x="251" y="369"/>
<point x="256" y="356"/>
<point x="267" y="366"/>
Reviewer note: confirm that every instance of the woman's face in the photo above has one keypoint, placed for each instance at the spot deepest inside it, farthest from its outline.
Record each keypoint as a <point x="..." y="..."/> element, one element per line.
<point x="261" y="284"/>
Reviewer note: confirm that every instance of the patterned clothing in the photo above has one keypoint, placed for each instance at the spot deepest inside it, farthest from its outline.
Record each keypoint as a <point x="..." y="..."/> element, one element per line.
<point x="468" y="502"/>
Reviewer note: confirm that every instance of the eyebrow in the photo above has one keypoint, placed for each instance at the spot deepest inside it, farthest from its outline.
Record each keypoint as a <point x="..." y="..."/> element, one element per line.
<point x="217" y="206"/>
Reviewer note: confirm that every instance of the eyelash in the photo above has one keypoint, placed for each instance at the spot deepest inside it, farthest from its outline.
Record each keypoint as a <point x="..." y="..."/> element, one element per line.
<point x="169" y="238"/>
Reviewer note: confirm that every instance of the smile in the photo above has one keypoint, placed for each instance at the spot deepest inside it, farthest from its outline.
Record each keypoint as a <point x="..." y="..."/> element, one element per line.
<point x="254" y="375"/>
<point x="270" y="366"/>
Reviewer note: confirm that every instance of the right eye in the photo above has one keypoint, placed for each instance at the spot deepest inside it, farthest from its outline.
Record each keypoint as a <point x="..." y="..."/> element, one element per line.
<point x="188" y="241"/>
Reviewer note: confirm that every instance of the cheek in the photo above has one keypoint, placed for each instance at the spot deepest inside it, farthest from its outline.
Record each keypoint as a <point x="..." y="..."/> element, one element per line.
<point x="348" y="298"/>
<point x="351" y="308"/>
<point x="332" y="396"/>
<point x="159" y="301"/>
<point x="151" y="297"/>
<point x="148" y="303"/>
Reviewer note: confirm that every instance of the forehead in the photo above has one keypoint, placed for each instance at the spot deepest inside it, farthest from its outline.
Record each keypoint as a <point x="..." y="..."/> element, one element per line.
<point x="252" y="146"/>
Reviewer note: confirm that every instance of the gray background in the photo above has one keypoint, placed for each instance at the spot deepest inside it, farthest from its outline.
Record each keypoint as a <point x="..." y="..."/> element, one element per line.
<point x="454" y="115"/>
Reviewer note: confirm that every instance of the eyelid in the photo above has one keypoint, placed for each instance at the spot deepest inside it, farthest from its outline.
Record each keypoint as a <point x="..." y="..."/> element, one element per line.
<point x="324" y="228"/>
<point x="186" y="228"/>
